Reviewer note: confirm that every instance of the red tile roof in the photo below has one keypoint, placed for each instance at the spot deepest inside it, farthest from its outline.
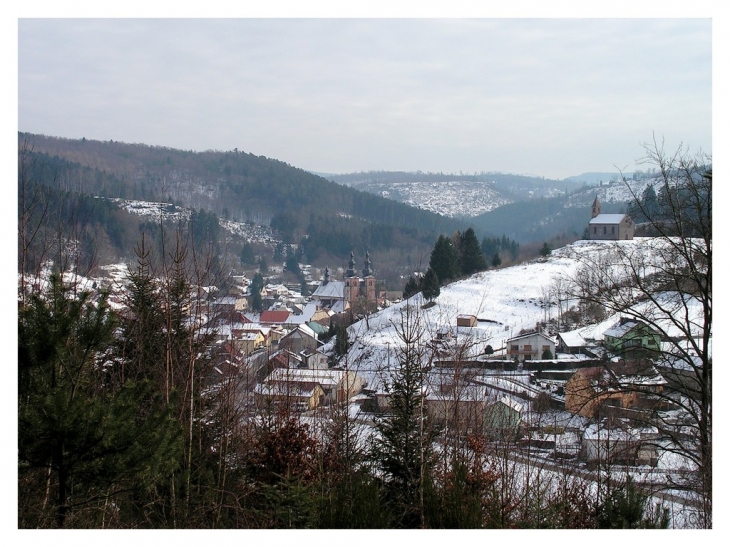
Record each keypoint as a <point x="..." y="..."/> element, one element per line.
<point x="274" y="316"/>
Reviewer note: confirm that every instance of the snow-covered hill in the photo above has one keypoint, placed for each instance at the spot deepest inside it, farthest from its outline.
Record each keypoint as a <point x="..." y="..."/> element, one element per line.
<point x="250" y="232"/>
<point x="470" y="198"/>
<point x="505" y="302"/>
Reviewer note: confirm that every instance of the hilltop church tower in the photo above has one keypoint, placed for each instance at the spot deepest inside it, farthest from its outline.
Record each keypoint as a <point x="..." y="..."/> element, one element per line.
<point x="595" y="208"/>
<point x="615" y="226"/>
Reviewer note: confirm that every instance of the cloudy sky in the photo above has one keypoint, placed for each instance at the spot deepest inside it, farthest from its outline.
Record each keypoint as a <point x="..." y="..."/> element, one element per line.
<point x="550" y="97"/>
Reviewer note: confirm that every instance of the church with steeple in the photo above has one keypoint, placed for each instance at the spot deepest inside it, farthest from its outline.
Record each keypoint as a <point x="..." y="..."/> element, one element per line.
<point x="338" y="295"/>
<point x="609" y="226"/>
<point x="360" y="287"/>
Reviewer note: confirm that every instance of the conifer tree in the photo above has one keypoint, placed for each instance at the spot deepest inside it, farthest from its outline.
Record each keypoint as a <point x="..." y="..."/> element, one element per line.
<point x="430" y="286"/>
<point x="84" y="432"/>
<point x="404" y="448"/>
<point x="472" y="259"/>
<point x="444" y="260"/>
<point x="412" y="287"/>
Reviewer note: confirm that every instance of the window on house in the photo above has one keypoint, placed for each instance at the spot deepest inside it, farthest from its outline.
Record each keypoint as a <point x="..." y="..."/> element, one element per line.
<point x="527" y="347"/>
<point x="595" y="230"/>
<point x="545" y="348"/>
<point x="515" y="347"/>
<point x="604" y="230"/>
<point x="613" y="229"/>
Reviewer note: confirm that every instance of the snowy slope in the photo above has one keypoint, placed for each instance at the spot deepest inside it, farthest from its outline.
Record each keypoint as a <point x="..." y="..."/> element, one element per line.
<point x="505" y="301"/>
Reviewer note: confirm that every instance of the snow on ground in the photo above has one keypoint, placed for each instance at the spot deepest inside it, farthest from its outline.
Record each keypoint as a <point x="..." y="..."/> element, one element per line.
<point x="166" y="211"/>
<point x="505" y="301"/>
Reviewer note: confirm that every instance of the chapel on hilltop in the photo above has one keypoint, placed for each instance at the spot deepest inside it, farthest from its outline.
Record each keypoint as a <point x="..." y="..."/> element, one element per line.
<point x="609" y="225"/>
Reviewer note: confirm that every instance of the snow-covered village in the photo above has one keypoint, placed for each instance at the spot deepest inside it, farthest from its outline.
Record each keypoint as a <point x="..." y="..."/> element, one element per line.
<point x="558" y="388"/>
<point x="365" y="273"/>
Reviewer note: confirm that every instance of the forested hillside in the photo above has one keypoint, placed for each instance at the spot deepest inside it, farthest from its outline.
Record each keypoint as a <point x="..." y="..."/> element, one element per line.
<point x="232" y="184"/>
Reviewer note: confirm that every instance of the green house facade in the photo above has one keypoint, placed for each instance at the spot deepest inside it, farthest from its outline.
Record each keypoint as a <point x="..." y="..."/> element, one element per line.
<point x="631" y="336"/>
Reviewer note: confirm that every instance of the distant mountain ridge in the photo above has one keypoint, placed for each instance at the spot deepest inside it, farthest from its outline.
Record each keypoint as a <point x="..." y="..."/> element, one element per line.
<point x="456" y="196"/>
<point x="377" y="210"/>
<point x="597" y="178"/>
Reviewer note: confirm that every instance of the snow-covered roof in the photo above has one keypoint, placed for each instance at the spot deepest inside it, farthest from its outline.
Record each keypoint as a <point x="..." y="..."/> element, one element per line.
<point x="608" y="218"/>
<point x="329" y="377"/>
<point x="512" y="403"/>
<point x="333" y="289"/>
<point x="572" y="339"/>
<point x="305" y="316"/>
<point x="530" y="334"/>
<point x="293" y="389"/>
<point x="600" y="432"/>
<point x="620" y="329"/>
<point x="303" y="329"/>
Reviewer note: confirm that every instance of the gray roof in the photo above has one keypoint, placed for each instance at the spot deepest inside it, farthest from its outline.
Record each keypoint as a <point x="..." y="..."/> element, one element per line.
<point x="608" y="218"/>
<point x="572" y="339"/>
<point x="333" y="289"/>
<point x="620" y="329"/>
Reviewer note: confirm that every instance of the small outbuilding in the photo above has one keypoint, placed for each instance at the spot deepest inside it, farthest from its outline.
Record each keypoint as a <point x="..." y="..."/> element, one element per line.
<point x="465" y="320"/>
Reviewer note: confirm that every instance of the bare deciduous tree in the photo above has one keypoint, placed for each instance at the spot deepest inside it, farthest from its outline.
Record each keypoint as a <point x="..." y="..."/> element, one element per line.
<point x="665" y="282"/>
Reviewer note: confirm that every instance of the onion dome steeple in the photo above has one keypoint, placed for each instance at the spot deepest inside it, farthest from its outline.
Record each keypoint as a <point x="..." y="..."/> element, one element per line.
<point x="351" y="266"/>
<point x="368" y="266"/>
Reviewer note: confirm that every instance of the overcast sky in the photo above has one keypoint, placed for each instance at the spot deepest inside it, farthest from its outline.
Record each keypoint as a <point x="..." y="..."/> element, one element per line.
<point x="549" y="97"/>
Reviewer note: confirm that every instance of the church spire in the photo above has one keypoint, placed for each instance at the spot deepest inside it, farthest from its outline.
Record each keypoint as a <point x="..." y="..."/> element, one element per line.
<point x="351" y="266"/>
<point x="595" y="208"/>
<point x="368" y="270"/>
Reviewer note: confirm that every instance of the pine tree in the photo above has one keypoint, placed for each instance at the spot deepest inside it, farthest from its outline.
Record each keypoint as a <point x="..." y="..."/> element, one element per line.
<point x="255" y="288"/>
<point x="430" y="286"/>
<point x="404" y="448"/>
<point x="412" y="287"/>
<point x="342" y="342"/>
<point x="472" y="259"/>
<point x="444" y="260"/>
<point x="76" y="429"/>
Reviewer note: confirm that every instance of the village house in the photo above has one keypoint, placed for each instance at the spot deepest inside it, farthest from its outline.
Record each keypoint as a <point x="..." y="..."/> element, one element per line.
<point x="301" y="338"/>
<point x="278" y="317"/>
<point x="247" y="341"/>
<point x="337" y="385"/>
<point x="300" y="396"/>
<point x="593" y="391"/>
<point x="314" y="359"/>
<point x="532" y="345"/>
<point x="502" y="418"/>
<point x="632" y="338"/>
<point x="617" y="226"/>
<point x="456" y="402"/>
<point x="619" y="444"/>
<point x="571" y="343"/>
